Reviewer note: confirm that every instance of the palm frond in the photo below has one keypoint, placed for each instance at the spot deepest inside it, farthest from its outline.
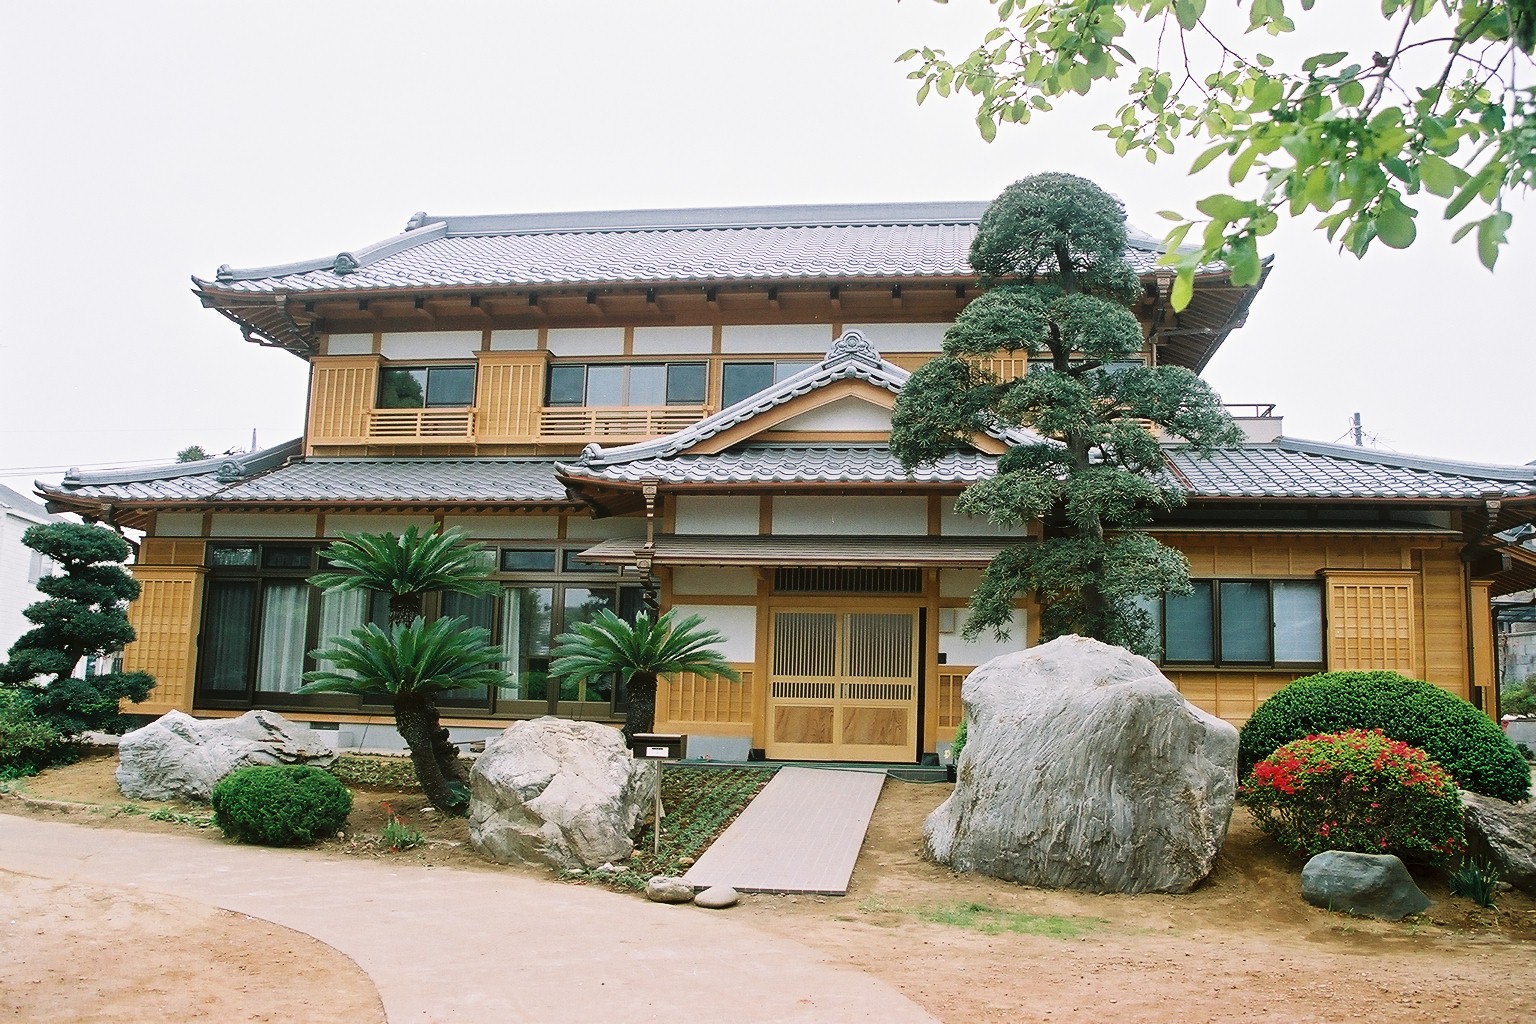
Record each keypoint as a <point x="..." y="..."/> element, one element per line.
<point x="410" y="563"/>
<point x="661" y="647"/>
<point x="409" y="658"/>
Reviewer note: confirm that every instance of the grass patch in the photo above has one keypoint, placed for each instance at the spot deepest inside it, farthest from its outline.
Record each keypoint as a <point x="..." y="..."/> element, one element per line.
<point x="700" y="803"/>
<point x="989" y="920"/>
<point x="176" y="817"/>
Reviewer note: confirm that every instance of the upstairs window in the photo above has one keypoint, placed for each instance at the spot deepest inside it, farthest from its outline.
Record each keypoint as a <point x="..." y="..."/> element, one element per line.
<point x="1243" y="622"/>
<point x="417" y="387"/>
<point x="627" y="384"/>
<point x="743" y="380"/>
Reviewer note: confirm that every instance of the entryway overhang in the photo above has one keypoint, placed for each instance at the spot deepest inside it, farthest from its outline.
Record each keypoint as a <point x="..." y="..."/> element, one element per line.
<point x="906" y="552"/>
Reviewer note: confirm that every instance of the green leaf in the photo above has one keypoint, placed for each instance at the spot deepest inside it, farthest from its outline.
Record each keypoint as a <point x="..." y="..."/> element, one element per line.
<point x="1440" y="176"/>
<point x="987" y="125"/>
<point x="1204" y="159"/>
<point x="1490" y="235"/>
<point x="1323" y="60"/>
<point x="1183" y="289"/>
<point x="1395" y="227"/>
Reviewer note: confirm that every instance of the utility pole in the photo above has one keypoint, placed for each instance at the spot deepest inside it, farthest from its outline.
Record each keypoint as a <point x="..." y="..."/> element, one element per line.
<point x="1359" y="437"/>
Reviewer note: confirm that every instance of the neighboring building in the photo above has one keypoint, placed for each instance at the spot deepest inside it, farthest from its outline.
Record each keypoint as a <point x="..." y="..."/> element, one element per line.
<point x="696" y="404"/>
<point x="20" y="566"/>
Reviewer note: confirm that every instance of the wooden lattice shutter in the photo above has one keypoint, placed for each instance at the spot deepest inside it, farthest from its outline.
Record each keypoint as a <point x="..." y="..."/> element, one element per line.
<point x="1371" y="622"/>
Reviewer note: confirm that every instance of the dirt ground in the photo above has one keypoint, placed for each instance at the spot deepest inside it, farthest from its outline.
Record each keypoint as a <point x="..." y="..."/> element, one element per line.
<point x="971" y="950"/>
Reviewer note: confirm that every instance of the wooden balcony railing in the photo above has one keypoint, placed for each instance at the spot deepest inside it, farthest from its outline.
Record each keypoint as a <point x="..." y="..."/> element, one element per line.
<point x="443" y="425"/>
<point x="616" y="421"/>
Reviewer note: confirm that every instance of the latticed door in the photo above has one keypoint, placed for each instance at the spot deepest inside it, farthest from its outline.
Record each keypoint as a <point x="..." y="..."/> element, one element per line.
<point x="843" y="686"/>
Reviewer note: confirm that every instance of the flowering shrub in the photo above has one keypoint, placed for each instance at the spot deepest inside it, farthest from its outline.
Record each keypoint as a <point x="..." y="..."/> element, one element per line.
<point x="1360" y="791"/>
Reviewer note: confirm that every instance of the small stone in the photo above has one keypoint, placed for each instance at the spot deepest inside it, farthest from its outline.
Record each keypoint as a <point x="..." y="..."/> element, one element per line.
<point x="717" y="897"/>
<point x="668" y="889"/>
<point x="607" y="869"/>
<point x="685" y="862"/>
<point x="1365" y="884"/>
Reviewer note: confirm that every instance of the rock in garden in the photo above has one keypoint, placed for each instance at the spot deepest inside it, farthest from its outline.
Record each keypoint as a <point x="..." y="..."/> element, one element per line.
<point x="1503" y="835"/>
<point x="1085" y="769"/>
<point x="1364" y="884"/>
<point x="717" y="897"/>
<point x="666" y="889"/>
<point x="178" y="757"/>
<point x="565" y="794"/>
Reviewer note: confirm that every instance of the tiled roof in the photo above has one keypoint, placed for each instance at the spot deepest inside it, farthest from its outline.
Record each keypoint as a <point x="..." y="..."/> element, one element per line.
<point x="1292" y="468"/>
<point x="792" y="463"/>
<point x="269" y="478"/>
<point x="781" y="549"/>
<point x="651" y="246"/>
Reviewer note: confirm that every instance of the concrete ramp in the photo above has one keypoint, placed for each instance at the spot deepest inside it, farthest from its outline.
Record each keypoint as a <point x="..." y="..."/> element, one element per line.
<point x="802" y="834"/>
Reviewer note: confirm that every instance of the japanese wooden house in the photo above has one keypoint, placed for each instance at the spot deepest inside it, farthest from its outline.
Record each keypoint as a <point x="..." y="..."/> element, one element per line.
<point x="698" y="401"/>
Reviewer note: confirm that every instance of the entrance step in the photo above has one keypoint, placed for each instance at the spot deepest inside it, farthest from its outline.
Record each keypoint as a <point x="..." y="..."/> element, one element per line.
<point x="800" y="835"/>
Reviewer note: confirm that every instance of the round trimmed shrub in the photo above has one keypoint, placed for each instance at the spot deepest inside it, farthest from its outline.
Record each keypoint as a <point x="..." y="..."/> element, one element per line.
<point x="1461" y="738"/>
<point x="1359" y="791"/>
<point x="280" y="805"/>
<point x="28" y="744"/>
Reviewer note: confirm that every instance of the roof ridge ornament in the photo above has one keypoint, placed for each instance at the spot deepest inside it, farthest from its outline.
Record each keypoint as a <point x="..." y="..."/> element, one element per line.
<point x="418" y="219"/>
<point x="346" y="263"/>
<point x="853" y="345"/>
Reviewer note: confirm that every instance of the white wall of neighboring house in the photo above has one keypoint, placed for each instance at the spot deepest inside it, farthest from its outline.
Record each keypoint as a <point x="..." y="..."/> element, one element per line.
<point x="20" y="566"/>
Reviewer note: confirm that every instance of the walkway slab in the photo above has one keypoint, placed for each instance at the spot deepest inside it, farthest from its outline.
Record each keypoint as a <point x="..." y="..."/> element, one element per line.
<point x="451" y="946"/>
<point x="801" y="834"/>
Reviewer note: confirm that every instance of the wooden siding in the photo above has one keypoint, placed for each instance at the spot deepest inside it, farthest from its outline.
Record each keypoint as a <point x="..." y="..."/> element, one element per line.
<point x="165" y="618"/>
<point x="689" y="702"/>
<point x="341" y="398"/>
<point x="946" y="698"/>
<point x="1483" y="673"/>
<point x="171" y="551"/>
<point x="1371" y="622"/>
<point x="509" y="394"/>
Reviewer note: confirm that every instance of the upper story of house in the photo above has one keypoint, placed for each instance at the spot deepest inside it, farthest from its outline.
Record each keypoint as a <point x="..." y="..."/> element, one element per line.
<point x="541" y="333"/>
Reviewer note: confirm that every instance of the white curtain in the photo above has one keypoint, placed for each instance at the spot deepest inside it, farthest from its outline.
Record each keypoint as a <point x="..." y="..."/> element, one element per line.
<point x="341" y="611"/>
<point x="284" y="625"/>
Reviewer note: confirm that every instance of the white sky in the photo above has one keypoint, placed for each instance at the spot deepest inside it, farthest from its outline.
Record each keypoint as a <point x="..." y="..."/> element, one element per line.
<point x="142" y="143"/>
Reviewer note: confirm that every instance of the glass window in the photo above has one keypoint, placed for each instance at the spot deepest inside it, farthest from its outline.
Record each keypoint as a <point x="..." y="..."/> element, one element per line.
<point x="573" y="563"/>
<point x="284" y="558"/>
<point x="647" y="385"/>
<point x="686" y="383"/>
<point x="785" y="369"/>
<point x="1187" y="625"/>
<point x="567" y="385"/>
<point x="284" y="630"/>
<point x="1298" y="621"/>
<point x="1245" y="622"/>
<point x="582" y="604"/>
<point x="227" y="639"/>
<point x="412" y="387"/>
<point x="528" y="560"/>
<point x="527" y="615"/>
<point x="230" y="556"/>
<point x="605" y="385"/>
<point x="743" y="380"/>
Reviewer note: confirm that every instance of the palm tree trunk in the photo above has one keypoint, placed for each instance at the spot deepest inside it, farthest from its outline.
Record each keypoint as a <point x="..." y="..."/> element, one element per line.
<point x="416" y="719"/>
<point x="641" y="716"/>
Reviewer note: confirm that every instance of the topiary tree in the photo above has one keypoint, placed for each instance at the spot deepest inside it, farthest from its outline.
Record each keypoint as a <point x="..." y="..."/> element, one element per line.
<point x="407" y="567"/>
<point x="1051" y="251"/>
<point x="1461" y="738"/>
<point x="83" y="615"/>
<point x="639" y="653"/>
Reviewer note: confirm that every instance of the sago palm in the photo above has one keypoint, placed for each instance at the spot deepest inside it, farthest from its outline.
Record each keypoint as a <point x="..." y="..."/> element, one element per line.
<point x="406" y="567"/>
<point x="413" y="663"/>
<point x="639" y="653"/>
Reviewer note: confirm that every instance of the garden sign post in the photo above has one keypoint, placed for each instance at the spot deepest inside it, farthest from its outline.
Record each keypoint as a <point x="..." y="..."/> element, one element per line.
<point x="662" y="747"/>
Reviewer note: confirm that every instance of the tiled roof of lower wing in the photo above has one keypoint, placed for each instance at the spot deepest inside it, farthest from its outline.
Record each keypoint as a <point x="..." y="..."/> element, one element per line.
<point x="1291" y="468"/>
<point x="789" y="463"/>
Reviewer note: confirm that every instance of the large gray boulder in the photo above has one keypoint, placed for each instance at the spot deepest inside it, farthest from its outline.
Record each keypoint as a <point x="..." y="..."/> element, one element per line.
<point x="1085" y="769"/>
<point x="1504" y="835"/>
<point x="178" y="757"/>
<point x="565" y="794"/>
<point x="1363" y="884"/>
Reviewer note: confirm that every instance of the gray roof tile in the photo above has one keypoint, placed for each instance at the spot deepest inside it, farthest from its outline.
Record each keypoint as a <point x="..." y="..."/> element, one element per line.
<point x="790" y="463"/>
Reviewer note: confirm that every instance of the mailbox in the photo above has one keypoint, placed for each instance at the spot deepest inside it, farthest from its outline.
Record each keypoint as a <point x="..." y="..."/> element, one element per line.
<point x="659" y="746"/>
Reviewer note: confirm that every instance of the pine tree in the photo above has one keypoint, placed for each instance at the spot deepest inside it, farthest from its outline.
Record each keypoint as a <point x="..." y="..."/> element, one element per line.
<point x="83" y="615"/>
<point x="1051" y="253"/>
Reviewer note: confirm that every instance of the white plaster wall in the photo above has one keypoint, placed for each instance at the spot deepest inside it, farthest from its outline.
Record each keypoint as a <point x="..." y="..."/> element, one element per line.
<point x="349" y="345"/>
<point x="178" y="524"/>
<point x="953" y="524"/>
<point x="958" y="582"/>
<point x="735" y="515"/>
<point x="666" y="341"/>
<point x="767" y="338"/>
<point x="605" y="529"/>
<point x="738" y="623"/>
<point x="587" y="341"/>
<point x="430" y="345"/>
<point x="336" y="525"/>
<point x="716" y="581"/>
<point x="902" y="337"/>
<point x="506" y="527"/>
<point x="844" y="414"/>
<point x="959" y="651"/>
<point x="861" y="515"/>
<point x="514" y="341"/>
<point x="16" y="590"/>
<point x="230" y="524"/>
